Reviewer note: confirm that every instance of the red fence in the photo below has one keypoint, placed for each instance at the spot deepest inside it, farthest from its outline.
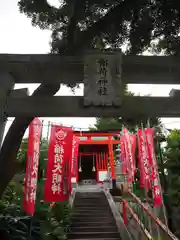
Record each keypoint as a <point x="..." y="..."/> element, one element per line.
<point x="151" y="225"/>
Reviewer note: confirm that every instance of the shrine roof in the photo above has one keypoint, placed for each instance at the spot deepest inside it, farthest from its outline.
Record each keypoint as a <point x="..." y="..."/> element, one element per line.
<point x="98" y="133"/>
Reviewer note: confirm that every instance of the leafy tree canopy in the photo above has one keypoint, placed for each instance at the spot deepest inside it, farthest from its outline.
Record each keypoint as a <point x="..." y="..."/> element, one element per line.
<point x="88" y="23"/>
<point x="172" y="154"/>
<point x="172" y="165"/>
<point x="117" y="123"/>
<point x="78" y="25"/>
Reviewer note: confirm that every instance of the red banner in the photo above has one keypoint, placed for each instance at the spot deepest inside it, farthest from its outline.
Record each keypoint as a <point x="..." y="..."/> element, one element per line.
<point x="140" y="162"/>
<point x="143" y="160"/>
<point x="133" y="149"/>
<point x="130" y="143"/>
<point x="58" y="174"/>
<point x="154" y="176"/>
<point x="122" y="155"/>
<point x="157" y="195"/>
<point x="149" y="132"/>
<point x="75" y="151"/>
<point x="124" y="210"/>
<point x="32" y="164"/>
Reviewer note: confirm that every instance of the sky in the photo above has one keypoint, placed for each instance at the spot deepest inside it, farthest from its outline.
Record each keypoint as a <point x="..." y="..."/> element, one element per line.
<point x="17" y="35"/>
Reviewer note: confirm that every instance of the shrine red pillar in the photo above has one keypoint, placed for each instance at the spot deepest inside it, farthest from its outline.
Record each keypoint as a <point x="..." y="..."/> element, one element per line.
<point x="77" y="170"/>
<point x="111" y="156"/>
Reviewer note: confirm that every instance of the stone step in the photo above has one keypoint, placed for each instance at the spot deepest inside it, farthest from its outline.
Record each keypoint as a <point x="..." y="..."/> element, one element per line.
<point x="87" y="211"/>
<point x="93" y="224"/>
<point x="94" y="211"/>
<point x="91" y="219"/>
<point x="91" y="197"/>
<point x="96" y="239"/>
<point x="97" y="201"/>
<point x="90" y="194"/>
<point x="91" y="204"/>
<point x="93" y="235"/>
<point x="83" y="206"/>
<point x="94" y="229"/>
<point x="99" y="208"/>
<point x="91" y="214"/>
<point x="91" y="208"/>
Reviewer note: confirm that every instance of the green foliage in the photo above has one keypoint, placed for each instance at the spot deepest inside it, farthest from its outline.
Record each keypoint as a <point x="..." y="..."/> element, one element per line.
<point x="21" y="157"/>
<point x="19" y="228"/>
<point x="11" y="201"/>
<point x="116" y="123"/>
<point x="13" y="193"/>
<point x="172" y="165"/>
<point x="13" y="223"/>
<point x="58" y="222"/>
<point x="90" y="23"/>
<point x="106" y="124"/>
<point x="48" y="223"/>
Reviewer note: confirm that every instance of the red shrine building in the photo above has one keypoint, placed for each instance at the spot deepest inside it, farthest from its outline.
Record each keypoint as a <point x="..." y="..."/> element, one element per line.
<point x="96" y="155"/>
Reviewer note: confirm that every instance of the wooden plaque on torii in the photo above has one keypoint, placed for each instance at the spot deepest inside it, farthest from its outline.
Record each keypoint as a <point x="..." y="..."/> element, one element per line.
<point x="102" y="79"/>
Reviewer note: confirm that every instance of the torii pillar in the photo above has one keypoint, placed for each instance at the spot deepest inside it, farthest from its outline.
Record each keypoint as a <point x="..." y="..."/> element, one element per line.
<point x="103" y="87"/>
<point x="6" y="85"/>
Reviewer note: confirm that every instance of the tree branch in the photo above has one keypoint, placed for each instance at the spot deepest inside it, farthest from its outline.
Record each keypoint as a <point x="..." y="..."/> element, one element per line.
<point x="41" y="12"/>
<point x="85" y="37"/>
<point x="15" y="134"/>
<point x="73" y="22"/>
<point x="13" y="140"/>
<point x="40" y="6"/>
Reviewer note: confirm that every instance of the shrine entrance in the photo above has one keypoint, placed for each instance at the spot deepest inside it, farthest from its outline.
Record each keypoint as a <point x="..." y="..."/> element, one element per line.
<point x="86" y="167"/>
<point x="94" y="155"/>
<point x="103" y="75"/>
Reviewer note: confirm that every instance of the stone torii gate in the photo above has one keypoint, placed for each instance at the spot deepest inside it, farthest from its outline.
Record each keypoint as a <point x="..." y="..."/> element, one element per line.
<point x="103" y="75"/>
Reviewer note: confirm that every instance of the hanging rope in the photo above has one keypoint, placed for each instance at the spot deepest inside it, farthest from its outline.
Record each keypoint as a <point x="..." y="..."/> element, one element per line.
<point x="80" y="168"/>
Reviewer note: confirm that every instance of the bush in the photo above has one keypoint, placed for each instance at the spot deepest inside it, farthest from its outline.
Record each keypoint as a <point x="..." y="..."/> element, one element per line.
<point x="48" y="223"/>
<point x="58" y="223"/>
<point x="20" y="228"/>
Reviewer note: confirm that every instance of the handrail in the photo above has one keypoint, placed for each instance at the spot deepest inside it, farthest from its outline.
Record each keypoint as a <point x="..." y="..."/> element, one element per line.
<point x="72" y="197"/>
<point x="156" y="219"/>
<point x="146" y="232"/>
<point x="122" y="229"/>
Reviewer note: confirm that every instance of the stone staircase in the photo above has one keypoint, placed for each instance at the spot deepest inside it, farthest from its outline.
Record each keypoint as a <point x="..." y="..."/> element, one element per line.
<point x="92" y="218"/>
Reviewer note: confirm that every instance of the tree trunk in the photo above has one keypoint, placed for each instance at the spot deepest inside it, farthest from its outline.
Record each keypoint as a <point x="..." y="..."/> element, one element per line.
<point x="15" y="134"/>
<point x="164" y="184"/>
<point x="85" y="37"/>
<point x="13" y="140"/>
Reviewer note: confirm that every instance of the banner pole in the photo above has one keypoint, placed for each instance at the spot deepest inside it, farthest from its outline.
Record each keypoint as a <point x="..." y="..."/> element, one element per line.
<point x="48" y="128"/>
<point x="159" y="211"/>
<point x="30" y="227"/>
